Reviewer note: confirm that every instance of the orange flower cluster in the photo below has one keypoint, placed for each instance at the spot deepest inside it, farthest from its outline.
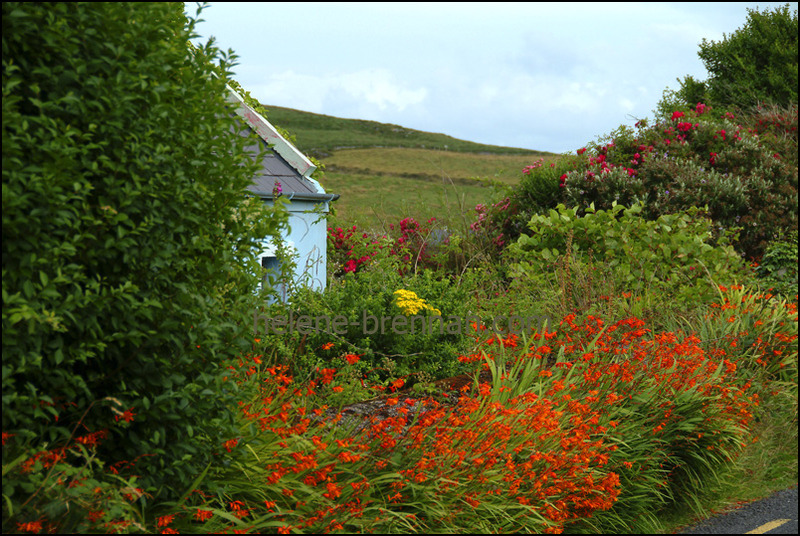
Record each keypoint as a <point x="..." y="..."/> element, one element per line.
<point x="561" y="451"/>
<point x="579" y="421"/>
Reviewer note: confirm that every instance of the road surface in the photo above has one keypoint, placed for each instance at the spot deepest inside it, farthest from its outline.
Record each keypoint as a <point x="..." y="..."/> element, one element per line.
<point x="777" y="514"/>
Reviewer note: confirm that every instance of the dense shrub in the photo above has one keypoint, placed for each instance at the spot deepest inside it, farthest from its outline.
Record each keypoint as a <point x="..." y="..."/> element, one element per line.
<point x="370" y="300"/>
<point x="127" y="238"/>
<point x="778" y="266"/>
<point x="415" y="246"/>
<point x="755" y="64"/>
<point x="670" y="255"/>
<point x="500" y="223"/>
<point x="743" y="168"/>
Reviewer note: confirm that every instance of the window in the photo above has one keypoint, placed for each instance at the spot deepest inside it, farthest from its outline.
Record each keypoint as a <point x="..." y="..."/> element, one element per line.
<point x="272" y="272"/>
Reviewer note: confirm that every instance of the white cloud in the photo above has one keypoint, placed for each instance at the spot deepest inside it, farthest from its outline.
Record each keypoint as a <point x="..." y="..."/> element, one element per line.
<point x="364" y="89"/>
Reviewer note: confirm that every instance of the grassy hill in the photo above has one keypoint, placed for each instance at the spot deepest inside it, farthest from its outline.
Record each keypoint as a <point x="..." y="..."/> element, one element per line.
<point x="385" y="172"/>
<point x="317" y="133"/>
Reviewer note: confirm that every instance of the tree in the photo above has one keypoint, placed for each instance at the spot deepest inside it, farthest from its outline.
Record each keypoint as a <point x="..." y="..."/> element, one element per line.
<point x="128" y="241"/>
<point x="755" y="64"/>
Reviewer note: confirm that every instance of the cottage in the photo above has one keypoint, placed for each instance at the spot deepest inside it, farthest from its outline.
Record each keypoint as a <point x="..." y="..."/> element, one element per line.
<point x="285" y="171"/>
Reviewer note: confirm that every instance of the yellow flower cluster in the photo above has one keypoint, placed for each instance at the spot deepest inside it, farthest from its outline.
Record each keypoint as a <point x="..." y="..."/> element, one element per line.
<point x="411" y="304"/>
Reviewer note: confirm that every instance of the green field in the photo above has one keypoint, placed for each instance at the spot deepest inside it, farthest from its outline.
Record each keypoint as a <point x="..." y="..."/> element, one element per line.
<point x="385" y="172"/>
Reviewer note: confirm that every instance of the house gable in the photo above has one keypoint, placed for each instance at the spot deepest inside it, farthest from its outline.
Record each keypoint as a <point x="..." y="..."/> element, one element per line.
<point x="270" y="135"/>
<point x="282" y="163"/>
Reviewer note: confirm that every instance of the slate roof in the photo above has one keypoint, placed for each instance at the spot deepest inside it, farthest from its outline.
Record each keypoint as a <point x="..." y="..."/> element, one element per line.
<point x="275" y="169"/>
<point x="282" y="162"/>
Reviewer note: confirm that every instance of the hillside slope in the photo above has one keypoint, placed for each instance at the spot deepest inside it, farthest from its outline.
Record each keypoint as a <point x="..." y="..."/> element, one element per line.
<point x="317" y="133"/>
<point x="385" y="172"/>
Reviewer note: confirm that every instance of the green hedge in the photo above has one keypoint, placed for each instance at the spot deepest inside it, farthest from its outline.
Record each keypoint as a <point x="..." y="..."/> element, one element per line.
<point x="128" y="242"/>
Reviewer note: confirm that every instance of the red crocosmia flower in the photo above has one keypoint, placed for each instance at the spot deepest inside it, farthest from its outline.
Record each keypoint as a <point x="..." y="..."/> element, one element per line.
<point x="127" y="416"/>
<point x="32" y="526"/>
<point x="203" y="515"/>
<point x="351" y="359"/>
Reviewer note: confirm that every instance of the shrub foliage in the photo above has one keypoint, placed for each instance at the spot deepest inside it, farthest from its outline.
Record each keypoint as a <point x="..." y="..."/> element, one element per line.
<point x="126" y="233"/>
<point x="755" y="64"/>
<point x="743" y="167"/>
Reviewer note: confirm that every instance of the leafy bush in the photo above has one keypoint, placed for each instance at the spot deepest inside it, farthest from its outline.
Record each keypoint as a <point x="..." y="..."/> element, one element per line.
<point x="729" y="143"/>
<point x="500" y="223"/>
<point x="755" y="64"/>
<point x="355" y="315"/>
<point x="416" y="247"/>
<point x="743" y="168"/>
<point x="778" y="267"/>
<point x="670" y="255"/>
<point x="128" y="242"/>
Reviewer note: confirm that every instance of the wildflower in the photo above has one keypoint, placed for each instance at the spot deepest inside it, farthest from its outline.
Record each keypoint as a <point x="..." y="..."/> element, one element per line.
<point x="411" y="304"/>
<point x="677" y="115"/>
<point x="327" y="346"/>
<point x="203" y="515"/>
<point x="351" y="359"/>
<point x="277" y="189"/>
<point x="96" y="515"/>
<point x="528" y="169"/>
<point x="127" y="415"/>
<point x="333" y="492"/>
<point x="32" y="526"/>
<point x="165" y="521"/>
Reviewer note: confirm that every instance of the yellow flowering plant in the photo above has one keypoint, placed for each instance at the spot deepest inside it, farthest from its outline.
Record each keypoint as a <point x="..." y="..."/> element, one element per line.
<point x="410" y="304"/>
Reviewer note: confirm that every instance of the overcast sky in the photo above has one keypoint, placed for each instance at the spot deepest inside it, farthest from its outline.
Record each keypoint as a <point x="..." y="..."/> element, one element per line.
<point x="544" y="76"/>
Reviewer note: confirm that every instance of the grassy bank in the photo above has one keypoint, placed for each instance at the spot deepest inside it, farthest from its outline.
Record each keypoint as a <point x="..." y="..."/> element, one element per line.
<point x="319" y="134"/>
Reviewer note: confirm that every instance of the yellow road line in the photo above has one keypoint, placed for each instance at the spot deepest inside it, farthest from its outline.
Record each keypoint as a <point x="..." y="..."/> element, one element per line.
<point x="766" y="527"/>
